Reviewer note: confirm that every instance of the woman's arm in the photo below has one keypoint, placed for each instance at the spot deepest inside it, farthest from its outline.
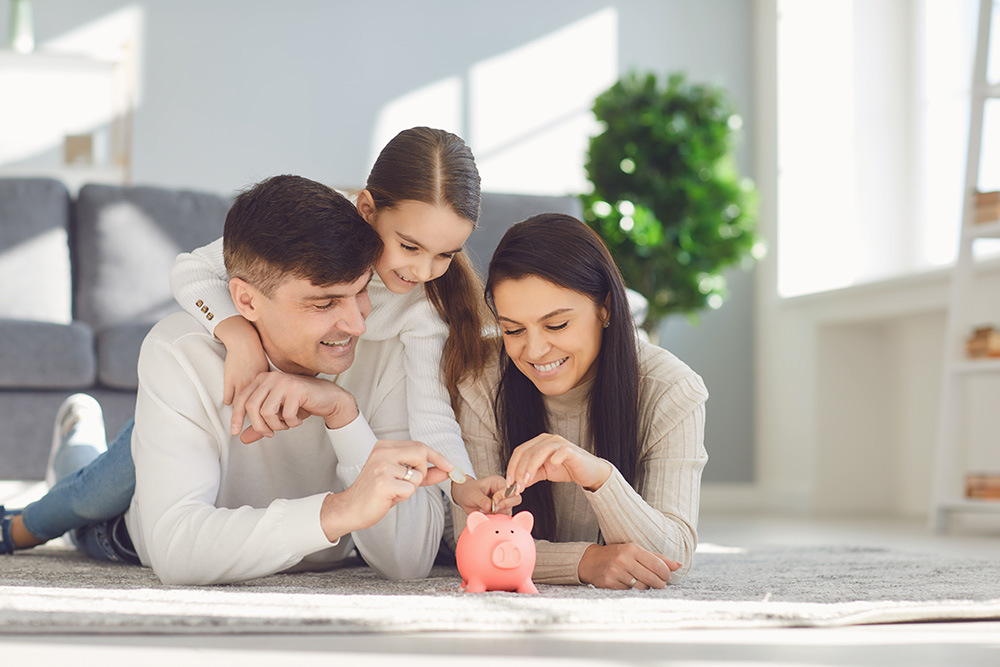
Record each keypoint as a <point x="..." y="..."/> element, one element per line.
<point x="661" y="513"/>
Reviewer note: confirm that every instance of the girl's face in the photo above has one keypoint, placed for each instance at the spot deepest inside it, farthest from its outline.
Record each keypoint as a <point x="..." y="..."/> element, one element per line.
<point x="420" y="240"/>
<point x="551" y="333"/>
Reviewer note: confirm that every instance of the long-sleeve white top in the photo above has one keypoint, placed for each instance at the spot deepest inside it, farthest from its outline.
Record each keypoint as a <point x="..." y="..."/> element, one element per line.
<point x="201" y="286"/>
<point x="208" y="509"/>
<point x="659" y="512"/>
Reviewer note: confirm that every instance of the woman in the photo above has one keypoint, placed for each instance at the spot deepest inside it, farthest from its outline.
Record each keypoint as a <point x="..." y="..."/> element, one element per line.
<point x="604" y="434"/>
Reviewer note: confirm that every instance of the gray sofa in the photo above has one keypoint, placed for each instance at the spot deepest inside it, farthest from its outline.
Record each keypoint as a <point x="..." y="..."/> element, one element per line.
<point x="82" y="280"/>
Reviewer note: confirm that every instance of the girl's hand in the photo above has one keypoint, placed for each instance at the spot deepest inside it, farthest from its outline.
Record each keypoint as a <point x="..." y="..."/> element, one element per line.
<point x="484" y="495"/>
<point x="624" y="566"/>
<point x="556" y="459"/>
<point x="245" y="359"/>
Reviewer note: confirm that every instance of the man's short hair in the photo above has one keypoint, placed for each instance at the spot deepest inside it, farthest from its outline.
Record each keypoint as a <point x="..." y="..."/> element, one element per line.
<point x="290" y="226"/>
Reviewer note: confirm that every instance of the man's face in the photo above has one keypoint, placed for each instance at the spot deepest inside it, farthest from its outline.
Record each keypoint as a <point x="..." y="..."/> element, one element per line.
<point x="307" y="329"/>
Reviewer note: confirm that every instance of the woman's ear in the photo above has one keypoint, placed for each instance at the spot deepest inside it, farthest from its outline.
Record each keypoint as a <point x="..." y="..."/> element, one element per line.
<point x="245" y="298"/>
<point x="604" y="311"/>
<point x="366" y="206"/>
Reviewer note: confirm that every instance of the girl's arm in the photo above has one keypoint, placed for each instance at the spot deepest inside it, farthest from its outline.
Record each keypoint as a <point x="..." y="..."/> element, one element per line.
<point x="200" y="285"/>
<point x="431" y="417"/>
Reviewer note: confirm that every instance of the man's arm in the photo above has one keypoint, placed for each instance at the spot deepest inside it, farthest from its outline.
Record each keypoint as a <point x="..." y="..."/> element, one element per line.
<point x="403" y="544"/>
<point x="177" y="448"/>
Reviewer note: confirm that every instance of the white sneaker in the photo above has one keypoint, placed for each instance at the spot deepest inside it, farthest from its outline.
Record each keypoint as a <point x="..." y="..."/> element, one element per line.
<point x="77" y="438"/>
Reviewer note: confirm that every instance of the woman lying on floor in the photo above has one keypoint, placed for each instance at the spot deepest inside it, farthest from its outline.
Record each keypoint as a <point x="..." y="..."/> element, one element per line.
<point x="603" y="435"/>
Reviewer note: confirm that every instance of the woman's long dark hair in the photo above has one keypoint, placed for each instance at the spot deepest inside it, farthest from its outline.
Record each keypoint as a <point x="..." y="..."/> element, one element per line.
<point x="436" y="167"/>
<point x="564" y="251"/>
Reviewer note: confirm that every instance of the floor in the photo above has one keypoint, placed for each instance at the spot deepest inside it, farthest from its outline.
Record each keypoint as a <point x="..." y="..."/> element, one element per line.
<point x="913" y="645"/>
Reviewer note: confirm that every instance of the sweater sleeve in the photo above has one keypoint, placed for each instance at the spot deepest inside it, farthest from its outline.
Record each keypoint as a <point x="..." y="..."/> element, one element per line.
<point x="200" y="285"/>
<point x="661" y="515"/>
<point x="176" y="449"/>
<point x="404" y="543"/>
<point x="432" y="419"/>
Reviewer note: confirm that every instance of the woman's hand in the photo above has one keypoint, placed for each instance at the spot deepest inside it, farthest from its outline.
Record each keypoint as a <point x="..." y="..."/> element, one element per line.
<point x="556" y="459"/>
<point x="245" y="358"/>
<point x="624" y="566"/>
<point x="484" y="495"/>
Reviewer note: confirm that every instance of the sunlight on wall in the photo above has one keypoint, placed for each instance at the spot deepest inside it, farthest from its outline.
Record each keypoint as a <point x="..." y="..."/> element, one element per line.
<point x="530" y="107"/>
<point x="525" y="113"/>
<point x="438" y="105"/>
<point x="78" y="83"/>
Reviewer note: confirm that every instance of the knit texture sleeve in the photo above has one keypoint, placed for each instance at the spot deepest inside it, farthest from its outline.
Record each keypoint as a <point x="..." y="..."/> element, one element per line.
<point x="661" y="513"/>
<point x="200" y="285"/>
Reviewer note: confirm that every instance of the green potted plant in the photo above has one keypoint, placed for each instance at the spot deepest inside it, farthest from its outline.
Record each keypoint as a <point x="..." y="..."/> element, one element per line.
<point x="667" y="198"/>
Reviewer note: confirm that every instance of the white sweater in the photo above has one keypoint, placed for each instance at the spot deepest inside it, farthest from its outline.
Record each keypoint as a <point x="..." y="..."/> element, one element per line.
<point x="208" y="509"/>
<point x="201" y="285"/>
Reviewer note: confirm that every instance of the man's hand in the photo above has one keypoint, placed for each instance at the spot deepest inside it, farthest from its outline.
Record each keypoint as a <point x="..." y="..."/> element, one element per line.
<point x="484" y="495"/>
<point x="393" y="472"/>
<point x="276" y="401"/>
<point x="623" y="566"/>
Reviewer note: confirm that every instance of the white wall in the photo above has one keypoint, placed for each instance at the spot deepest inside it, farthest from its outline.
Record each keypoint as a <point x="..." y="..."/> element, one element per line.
<point x="231" y="91"/>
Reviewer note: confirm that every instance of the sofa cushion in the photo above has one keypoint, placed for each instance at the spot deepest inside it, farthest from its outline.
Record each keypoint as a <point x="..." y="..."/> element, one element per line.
<point x="34" y="252"/>
<point x="500" y="211"/>
<point x="118" y="354"/>
<point x="125" y="242"/>
<point x="43" y="355"/>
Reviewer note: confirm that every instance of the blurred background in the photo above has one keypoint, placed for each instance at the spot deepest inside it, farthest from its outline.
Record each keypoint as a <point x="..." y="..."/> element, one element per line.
<point x="824" y="361"/>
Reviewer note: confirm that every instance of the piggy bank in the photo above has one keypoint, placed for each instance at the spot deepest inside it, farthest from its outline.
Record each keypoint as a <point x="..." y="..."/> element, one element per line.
<point x="496" y="553"/>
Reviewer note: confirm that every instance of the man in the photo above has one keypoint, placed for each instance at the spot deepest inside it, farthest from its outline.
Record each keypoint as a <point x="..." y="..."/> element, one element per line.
<point x="208" y="508"/>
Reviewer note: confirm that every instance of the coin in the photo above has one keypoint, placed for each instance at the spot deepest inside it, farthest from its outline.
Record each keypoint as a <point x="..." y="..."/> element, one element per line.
<point x="510" y="490"/>
<point x="457" y="475"/>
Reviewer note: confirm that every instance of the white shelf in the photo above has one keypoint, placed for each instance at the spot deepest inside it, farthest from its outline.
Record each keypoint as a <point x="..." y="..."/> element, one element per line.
<point x="976" y="366"/>
<point x="982" y="230"/>
<point x="951" y="460"/>
<point x="971" y="505"/>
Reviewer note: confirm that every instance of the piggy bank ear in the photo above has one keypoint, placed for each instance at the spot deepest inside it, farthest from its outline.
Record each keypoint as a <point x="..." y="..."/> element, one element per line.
<point x="525" y="519"/>
<point x="475" y="519"/>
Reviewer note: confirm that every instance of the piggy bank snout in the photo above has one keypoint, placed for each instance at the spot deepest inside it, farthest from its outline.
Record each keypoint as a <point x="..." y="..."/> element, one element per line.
<point x="507" y="556"/>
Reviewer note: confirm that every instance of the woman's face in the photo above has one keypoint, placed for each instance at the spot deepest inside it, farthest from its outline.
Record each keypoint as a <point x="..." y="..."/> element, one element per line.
<point x="420" y="240"/>
<point x="551" y="333"/>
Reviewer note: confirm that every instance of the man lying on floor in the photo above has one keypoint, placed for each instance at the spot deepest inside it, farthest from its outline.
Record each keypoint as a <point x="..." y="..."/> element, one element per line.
<point x="209" y="509"/>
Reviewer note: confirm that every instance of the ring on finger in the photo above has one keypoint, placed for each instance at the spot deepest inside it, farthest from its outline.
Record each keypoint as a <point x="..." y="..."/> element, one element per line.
<point x="409" y="474"/>
<point x="631" y="584"/>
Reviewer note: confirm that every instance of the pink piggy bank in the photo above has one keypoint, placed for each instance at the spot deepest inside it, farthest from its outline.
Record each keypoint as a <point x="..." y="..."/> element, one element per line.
<point x="496" y="553"/>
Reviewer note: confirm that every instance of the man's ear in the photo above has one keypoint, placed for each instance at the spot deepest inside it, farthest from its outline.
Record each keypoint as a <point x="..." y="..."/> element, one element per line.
<point x="366" y="206"/>
<point x="246" y="298"/>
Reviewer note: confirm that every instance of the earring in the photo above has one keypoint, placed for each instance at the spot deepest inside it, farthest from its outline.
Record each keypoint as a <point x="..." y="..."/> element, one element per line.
<point x="607" y="323"/>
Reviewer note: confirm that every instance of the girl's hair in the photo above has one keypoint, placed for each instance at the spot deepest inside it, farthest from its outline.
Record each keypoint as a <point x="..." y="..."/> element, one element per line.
<point x="436" y="167"/>
<point x="564" y="251"/>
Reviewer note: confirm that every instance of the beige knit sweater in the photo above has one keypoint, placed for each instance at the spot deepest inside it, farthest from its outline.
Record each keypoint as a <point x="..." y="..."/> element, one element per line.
<point x="660" y="514"/>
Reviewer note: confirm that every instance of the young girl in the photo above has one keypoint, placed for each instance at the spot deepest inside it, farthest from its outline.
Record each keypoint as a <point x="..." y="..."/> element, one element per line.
<point x="604" y="434"/>
<point x="422" y="196"/>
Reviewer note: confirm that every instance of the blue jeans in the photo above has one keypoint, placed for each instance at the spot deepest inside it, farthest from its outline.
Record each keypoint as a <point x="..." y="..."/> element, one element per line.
<point x="90" y="503"/>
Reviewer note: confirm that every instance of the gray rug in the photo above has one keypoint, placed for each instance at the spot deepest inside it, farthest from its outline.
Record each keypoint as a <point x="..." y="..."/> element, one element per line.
<point x="55" y="590"/>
